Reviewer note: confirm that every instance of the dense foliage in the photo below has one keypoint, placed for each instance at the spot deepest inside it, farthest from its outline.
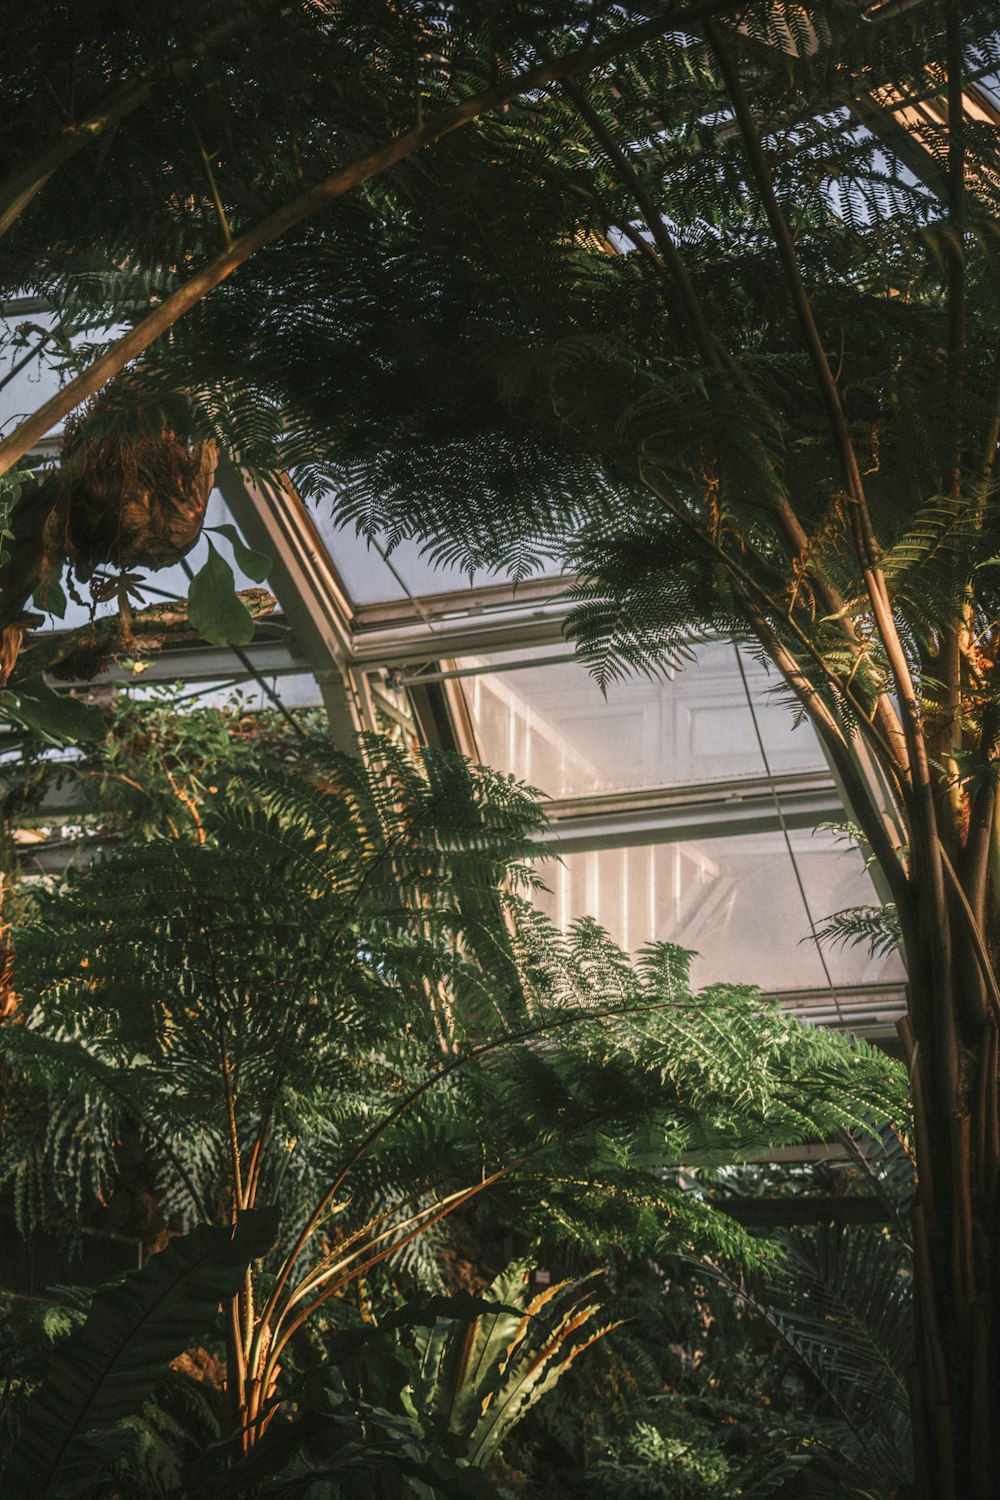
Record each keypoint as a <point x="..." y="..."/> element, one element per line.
<point x="711" y="309"/>
<point x="332" y="1021"/>
<point x="719" y="320"/>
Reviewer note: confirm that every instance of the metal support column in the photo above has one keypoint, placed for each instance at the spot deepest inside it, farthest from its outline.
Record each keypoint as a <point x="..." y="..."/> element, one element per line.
<point x="275" y="520"/>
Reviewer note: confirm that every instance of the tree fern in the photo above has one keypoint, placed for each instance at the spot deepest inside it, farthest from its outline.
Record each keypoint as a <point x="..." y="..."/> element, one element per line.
<point x="338" y="1004"/>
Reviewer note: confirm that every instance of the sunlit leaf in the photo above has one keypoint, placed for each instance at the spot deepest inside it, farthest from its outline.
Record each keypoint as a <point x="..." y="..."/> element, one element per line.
<point x="54" y="717"/>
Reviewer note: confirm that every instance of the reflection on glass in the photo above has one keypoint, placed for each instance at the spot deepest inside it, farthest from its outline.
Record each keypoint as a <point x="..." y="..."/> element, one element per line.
<point x="375" y="574"/>
<point x="735" y="901"/>
<point x="551" y="726"/>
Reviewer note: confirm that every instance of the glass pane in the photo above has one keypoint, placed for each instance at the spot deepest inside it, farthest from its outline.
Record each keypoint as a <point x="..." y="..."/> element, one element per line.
<point x="735" y="901"/>
<point x="550" y="725"/>
<point x="371" y="578"/>
<point x="30" y="386"/>
<point x="292" y="689"/>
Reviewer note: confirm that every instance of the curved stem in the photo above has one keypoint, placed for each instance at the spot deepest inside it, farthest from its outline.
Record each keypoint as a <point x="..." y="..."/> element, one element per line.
<point x="454" y="1202"/>
<point x="925" y="836"/>
<point x="551" y="1023"/>
<point x="866" y="543"/>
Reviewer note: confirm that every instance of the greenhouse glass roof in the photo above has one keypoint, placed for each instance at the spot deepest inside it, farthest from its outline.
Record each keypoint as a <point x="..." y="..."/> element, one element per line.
<point x="694" y="806"/>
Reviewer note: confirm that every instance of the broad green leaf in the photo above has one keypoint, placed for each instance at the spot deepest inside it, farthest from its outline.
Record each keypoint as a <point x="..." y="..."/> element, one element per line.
<point x="51" y="596"/>
<point x="255" y="565"/>
<point x="214" y="607"/>
<point x="107" y="1369"/>
<point x="55" y="717"/>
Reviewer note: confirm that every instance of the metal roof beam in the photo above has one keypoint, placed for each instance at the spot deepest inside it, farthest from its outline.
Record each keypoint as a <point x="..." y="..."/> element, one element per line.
<point x="196" y="662"/>
<point x="275" y="520"/>
<point x="710" y="810"/>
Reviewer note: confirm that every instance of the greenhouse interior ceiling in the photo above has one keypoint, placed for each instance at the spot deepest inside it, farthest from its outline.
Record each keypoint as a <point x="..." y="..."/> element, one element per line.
<point x="500" y="750"/>
<point x="690" y="807"/>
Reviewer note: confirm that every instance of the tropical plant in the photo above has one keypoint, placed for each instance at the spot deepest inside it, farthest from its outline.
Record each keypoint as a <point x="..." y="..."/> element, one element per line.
<point x="171" y="101"/>
<point x="726" y="331"/>
<point x="109" y="1365"/>
<point x="112" y="1410"/>
<point x="790" y="1380"/>
<point x="163" y="758"/>
<point x="337" y="1004"/>
<point x="662" y="389"/>
<point x="367" y="83"/>
<point x="666" y="1455"/>
<point x="478" y="1381"/>
<point x="840" y="1304"/>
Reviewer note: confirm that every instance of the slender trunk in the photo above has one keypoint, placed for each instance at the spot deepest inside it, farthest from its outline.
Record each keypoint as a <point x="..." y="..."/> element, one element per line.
<point x="954" y="1001"/>
<point x="957" y="1271"/>
<point x="957" y="1263"/>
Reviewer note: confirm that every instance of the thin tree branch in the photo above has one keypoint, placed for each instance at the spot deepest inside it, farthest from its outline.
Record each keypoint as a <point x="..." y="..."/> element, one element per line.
<point x="957" y="630"/>
<point x="452" y="1203"/>
<point x="865" y="540"/>
<point x="714" y="355"/>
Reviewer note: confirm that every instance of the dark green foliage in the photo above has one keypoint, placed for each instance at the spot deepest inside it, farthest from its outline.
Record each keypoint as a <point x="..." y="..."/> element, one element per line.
<point x="107" y="1367"/>
<point x="162" y="760"/>
<point x="58" y="1157"/>
<point x="840" y="1304"/>
<point x="840" y="1308"/>
<point x="256" y="565"/>
<point x="480" y="1379"/>
<point x="150" y="978"/>
<point x="516" y="357"/>
<point x="54" y="718"/>
<point x="339" y="1446"/>
<point x="517" y="360"/>
<point x="156" y="1452"/>
<point x="332" y="997"/>
<point x="784" y="1382"/>
<point x="213" y="605"/>
<point x="655" y="599"/>
<point x="669" y="1454"/>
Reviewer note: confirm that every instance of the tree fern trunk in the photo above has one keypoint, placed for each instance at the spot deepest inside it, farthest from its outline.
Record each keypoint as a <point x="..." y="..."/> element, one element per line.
<point x="957" y="1256"/>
